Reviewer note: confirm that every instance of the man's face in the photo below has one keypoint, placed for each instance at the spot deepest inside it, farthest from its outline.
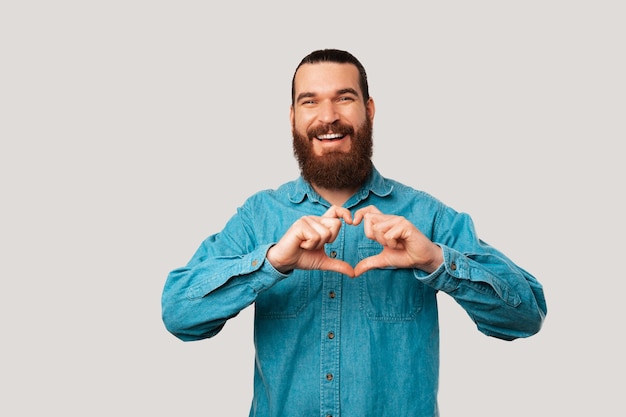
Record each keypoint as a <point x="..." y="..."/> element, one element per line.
<point x="331" y="126"/>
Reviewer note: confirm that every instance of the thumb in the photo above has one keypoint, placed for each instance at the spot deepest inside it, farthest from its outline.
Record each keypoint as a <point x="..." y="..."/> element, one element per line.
<point x="373" y="262"/>
<point x="337" y="265"/>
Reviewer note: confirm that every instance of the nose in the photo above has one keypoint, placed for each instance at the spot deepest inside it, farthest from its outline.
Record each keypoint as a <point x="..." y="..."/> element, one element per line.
<point x="327" y="113"/>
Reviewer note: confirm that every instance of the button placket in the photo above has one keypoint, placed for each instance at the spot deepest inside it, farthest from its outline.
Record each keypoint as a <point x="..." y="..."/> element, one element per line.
<point x="331" y="316"/>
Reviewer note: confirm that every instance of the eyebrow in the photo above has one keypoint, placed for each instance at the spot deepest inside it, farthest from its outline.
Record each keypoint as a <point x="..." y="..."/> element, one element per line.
<point x="339" y="92"/>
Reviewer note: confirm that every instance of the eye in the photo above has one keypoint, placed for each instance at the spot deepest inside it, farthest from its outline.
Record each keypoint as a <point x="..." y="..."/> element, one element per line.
<point x="307" y="102"/>
<point x="346" y="98"/>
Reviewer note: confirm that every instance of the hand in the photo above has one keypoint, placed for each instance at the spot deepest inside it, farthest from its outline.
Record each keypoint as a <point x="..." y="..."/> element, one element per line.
<point x="302" y="246"/>
<point x="404" y="246"/>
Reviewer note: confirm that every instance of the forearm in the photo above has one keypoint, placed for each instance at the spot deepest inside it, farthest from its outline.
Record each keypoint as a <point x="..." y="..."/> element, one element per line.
<point x="199" y="298"/>
<point x="503" y="300"/>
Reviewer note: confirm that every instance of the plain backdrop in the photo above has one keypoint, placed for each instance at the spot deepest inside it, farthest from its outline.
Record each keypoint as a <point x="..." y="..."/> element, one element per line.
<point x="131" y="130"/>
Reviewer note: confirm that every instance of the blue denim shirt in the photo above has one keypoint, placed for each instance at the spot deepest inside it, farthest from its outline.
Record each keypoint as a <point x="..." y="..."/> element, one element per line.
<point x="330" y="345"/>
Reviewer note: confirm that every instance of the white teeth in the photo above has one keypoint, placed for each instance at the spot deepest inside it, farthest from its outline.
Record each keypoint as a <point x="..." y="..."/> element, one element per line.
<point x="329" y="136"/>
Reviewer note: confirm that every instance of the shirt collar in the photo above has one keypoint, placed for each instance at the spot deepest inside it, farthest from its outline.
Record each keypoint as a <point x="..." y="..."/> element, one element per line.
<point x="375" y="183"/>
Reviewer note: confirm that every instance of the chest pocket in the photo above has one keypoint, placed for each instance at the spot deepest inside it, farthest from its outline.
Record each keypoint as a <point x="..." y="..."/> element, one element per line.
<point x="285" y="299"/>
<point x="389" y="294"/>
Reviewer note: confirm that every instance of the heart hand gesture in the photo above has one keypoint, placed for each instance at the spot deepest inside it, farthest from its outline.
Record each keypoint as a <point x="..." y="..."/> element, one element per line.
<point x="404" y="246"/>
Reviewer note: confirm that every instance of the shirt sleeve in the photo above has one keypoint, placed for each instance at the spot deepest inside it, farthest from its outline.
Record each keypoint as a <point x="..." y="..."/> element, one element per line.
<point x="224" y="276"/>
<point x="504" y="300"/>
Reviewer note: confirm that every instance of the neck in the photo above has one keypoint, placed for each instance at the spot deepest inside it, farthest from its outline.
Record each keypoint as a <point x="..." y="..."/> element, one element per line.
<point x="336" y="197"/>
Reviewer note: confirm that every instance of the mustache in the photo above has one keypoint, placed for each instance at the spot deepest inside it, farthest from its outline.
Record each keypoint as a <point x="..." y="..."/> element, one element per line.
<point x="330" y="128"/>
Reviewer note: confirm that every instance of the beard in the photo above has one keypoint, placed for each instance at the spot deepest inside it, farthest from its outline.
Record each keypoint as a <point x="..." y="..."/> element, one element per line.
<point x="335" y="170"/>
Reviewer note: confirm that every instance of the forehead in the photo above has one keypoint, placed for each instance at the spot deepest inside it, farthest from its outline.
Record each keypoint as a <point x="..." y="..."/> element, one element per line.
<point x="326" y="77"/>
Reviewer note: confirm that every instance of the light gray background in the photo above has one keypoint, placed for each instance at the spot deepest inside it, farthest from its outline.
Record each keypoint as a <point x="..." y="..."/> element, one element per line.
<point x="131" y="130"/>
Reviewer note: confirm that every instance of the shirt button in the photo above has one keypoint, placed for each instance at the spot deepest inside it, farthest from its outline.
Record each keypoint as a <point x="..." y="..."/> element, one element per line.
<point x="333" y="254"/>
<point x="329" y="377"/>
<point x="332" y="294"/>
<point x="453" y="266"/>
<point x="254" y="262"/>
<point x="331" y="335"/>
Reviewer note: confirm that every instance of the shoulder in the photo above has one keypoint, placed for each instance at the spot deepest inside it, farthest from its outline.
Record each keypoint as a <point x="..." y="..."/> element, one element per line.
<point x="404" y="191"/>
<point x="282" y="192"/>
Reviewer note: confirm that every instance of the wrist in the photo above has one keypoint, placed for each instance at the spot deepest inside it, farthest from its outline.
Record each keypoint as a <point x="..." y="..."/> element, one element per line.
<point x="436" y="259"/>
<point x="279" y="266"/>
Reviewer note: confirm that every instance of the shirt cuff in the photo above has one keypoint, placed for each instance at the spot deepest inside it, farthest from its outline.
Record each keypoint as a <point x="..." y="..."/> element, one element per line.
<point x="446" y="278"/>
<point x="267" y="275"/>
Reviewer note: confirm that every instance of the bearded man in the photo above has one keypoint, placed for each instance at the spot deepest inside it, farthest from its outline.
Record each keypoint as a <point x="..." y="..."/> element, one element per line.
<point x="343" y="267"/>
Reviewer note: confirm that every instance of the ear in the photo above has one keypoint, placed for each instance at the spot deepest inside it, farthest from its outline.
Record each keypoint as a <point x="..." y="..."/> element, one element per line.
<point x="370" y="108"/>
<point x="291" y="115"/>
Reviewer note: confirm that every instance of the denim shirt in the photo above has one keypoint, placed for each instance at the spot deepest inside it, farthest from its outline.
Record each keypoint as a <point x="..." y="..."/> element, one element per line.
<point x="330" y="345"/>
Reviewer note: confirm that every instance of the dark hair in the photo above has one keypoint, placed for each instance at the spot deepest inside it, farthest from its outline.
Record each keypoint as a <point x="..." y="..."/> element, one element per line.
<point x="336" y="56"/>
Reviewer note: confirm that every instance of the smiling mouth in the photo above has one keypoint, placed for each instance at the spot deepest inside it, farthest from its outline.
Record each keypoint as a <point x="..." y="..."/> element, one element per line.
<point x="330" y="136"/>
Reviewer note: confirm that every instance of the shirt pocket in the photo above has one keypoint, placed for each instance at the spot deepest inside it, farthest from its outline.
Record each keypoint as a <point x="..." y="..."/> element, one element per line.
<point x="286" y="298"/>
<point x="389" y="294"/>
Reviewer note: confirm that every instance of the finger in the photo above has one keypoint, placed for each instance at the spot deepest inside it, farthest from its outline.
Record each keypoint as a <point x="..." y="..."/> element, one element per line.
<point x="337" y="265"/>
<point x="332" y="226"/>
<point x="339" y="213"/>
<point x="391" y="234"/>
<point x="376" y="225"/>
<point x="360" y="214"/>
<point x="386" y="230"/>
<point x="373" y="262"/>
<point x="316" y="232"/>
